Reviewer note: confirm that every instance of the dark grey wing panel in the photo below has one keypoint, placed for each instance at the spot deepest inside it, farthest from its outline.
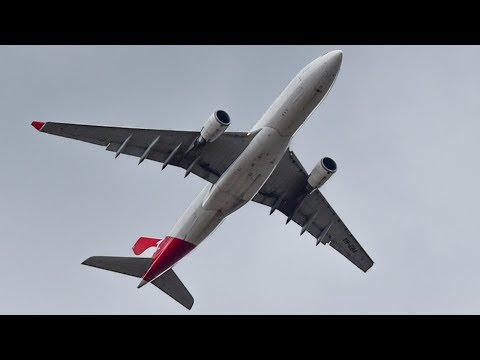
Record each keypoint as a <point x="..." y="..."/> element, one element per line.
<point x="286" y="189"/>
<point x="171" y="285"/>
<point x="169" y="282"/>
<point x="124" y="265"/>
<point x="211" y="160"/>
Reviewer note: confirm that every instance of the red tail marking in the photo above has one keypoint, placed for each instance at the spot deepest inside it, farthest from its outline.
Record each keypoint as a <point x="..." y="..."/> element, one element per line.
<point x="38" y="125"/>
<point x="143" y="244"/>
<point x="170" y="251"/>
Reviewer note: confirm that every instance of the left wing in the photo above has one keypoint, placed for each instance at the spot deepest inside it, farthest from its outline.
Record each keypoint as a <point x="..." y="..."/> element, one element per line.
<point x="166" y="146"/>
<point x="284" y="190"/>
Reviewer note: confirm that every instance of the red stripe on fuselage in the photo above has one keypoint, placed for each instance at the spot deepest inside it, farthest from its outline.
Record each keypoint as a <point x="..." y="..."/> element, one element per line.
<point x="170" y="251"/>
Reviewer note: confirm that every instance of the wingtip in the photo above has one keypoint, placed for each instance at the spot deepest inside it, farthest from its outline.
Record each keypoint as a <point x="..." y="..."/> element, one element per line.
<point x="368" y="268"/>
<point x="93" y="261"/>
<point x="38" y="125"/>
<point x="189" y="306"/>
<point x="87" y="261"/>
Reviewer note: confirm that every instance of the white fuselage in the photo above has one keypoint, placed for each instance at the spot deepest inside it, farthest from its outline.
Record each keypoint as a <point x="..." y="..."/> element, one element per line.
<point x="273" y="133"/>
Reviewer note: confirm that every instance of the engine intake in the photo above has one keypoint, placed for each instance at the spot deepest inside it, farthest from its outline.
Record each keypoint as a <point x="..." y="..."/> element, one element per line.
<point x="215" y="126"/>
<point x="324" y="169"/>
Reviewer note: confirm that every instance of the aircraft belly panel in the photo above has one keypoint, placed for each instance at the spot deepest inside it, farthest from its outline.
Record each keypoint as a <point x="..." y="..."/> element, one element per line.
<point x="248" y="173"/>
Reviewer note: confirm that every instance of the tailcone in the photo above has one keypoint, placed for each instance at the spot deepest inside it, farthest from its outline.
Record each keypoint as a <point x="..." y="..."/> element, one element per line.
<point x="142" y="283"/>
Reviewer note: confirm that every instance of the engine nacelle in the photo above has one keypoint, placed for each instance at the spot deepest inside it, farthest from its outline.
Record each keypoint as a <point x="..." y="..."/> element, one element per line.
<point x="322" y="172"/>
<point x="215" y="126"/>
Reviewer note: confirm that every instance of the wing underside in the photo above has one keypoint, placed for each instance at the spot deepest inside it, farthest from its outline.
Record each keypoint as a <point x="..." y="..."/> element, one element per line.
<point x="165" y="146"/>
<point x="285" y="191"/>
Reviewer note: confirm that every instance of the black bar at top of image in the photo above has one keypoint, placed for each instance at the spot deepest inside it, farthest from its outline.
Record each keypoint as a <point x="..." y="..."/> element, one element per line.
<point x="239" y="38"/>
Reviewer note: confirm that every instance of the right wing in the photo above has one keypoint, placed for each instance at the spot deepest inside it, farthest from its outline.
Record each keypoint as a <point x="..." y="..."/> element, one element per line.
<point x="208" y="162"/>
<point x="284" y="190"/>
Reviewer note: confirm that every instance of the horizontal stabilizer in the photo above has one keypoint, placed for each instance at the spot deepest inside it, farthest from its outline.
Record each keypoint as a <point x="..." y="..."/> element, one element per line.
<point x="169" y="282"/>
<point x="143" y="244"/>
<point x="124" y="265"/>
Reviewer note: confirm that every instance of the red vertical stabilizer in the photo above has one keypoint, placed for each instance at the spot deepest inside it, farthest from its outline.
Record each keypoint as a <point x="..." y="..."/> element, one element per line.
<point x="170" y="251"/>
<point x="143" y="244"/>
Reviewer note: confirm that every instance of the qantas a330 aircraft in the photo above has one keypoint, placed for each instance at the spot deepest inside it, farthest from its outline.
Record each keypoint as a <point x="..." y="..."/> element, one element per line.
<point x="238" y="166"/>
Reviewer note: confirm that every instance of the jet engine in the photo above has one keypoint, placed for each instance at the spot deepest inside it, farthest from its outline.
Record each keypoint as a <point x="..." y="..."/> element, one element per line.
<point x="215" y="126"/>
<point x="324" y="169"/>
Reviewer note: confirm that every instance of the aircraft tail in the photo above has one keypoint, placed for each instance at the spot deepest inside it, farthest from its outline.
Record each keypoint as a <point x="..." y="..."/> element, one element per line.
<point x="169" y="282"/>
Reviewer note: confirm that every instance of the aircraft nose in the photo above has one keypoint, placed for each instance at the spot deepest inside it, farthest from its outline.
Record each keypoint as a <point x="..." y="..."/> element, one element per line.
<point x="334" y="59"/>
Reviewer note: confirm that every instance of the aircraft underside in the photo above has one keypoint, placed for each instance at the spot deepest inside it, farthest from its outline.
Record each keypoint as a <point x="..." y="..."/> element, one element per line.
<point x="239" y="167"/>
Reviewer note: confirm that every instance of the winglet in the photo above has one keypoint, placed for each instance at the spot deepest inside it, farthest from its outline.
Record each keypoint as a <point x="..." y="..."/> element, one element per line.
<point x="38" y="125"/>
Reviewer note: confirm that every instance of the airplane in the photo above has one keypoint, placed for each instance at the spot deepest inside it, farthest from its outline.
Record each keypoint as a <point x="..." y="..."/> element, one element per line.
<point x="239" y="167"/>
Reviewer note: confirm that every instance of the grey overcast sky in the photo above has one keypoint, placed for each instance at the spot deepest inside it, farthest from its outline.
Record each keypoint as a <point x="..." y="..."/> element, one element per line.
<point x="402" y="122"/>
